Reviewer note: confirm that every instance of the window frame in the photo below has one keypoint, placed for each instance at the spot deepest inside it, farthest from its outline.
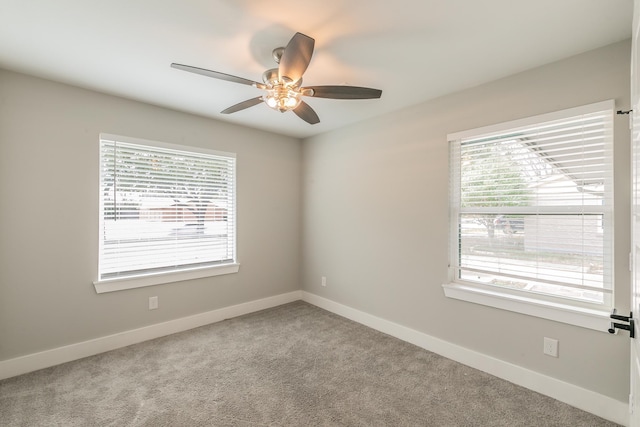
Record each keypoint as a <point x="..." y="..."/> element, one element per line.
<point x="591" y="316"/>
<point x="103" y="285"/>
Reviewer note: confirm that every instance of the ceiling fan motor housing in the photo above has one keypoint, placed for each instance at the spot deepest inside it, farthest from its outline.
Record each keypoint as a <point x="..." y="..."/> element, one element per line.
<point x="270" y="77"/>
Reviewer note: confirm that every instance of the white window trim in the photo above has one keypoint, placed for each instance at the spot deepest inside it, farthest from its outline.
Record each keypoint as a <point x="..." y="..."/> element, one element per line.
<point x="556" y="115"/>
<point x="589" y="318"/>
<point x="120" y="284"/>
<point x="564" y="313"/>
<point x="132" y="282"/>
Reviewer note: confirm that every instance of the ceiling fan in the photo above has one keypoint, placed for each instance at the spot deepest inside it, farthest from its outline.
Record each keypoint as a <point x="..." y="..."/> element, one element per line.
<point x="283" y="85"/>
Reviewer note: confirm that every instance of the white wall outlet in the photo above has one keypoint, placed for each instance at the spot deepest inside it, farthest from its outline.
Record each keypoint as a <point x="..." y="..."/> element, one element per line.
<point x="550" y="347"/>
<point x="324" y="281"/>
<point x="153" y="303"/>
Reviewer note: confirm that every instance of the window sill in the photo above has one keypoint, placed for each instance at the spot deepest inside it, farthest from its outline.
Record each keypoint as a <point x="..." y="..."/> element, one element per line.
<point x="121" y="284"/>
<point x="583" y="317"/>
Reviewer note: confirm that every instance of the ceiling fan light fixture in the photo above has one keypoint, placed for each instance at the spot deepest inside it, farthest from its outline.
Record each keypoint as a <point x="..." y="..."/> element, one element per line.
<point x="282" y="98"/>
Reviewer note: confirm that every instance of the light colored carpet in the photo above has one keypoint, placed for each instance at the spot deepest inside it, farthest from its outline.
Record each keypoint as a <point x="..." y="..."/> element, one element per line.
<point x="293" y="365"/>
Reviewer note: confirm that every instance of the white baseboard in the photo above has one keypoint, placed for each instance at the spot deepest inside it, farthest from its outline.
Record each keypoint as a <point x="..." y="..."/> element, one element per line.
<point x="595" y="403"/>
<point x="33" y="362"/>
<point x="587" y="400"/>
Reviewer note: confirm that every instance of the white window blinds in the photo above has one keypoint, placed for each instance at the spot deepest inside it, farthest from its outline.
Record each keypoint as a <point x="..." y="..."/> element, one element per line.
<point x="531" y="205"/>
<point x="164" y="208"/>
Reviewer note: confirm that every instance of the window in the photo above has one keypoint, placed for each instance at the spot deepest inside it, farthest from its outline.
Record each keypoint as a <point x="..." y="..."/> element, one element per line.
<point x="167" y="213"/>
<point x="531" y="210"/>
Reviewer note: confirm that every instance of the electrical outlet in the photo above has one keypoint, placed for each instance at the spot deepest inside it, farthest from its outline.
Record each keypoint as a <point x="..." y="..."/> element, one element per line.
<point x="153" y="303"/>
<point x="550" y="347"/>
<point x="324" y="281"/>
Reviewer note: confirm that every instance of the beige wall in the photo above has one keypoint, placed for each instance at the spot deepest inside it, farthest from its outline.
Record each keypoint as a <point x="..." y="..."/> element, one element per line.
<point x="375" y="219"/>
<point x="49" y="215"/>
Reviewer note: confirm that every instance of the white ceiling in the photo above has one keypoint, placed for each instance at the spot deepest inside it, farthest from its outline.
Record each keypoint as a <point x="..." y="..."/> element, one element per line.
<point x="414" y="50"/>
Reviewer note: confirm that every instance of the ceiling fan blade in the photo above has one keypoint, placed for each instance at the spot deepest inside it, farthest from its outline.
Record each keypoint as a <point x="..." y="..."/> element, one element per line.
<point x="342" y="92"/>
<point x="217" y="75"/>
<point x="242" y="105"/>
<point x="306" y="113"/>
<point x="296" y="57"/>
